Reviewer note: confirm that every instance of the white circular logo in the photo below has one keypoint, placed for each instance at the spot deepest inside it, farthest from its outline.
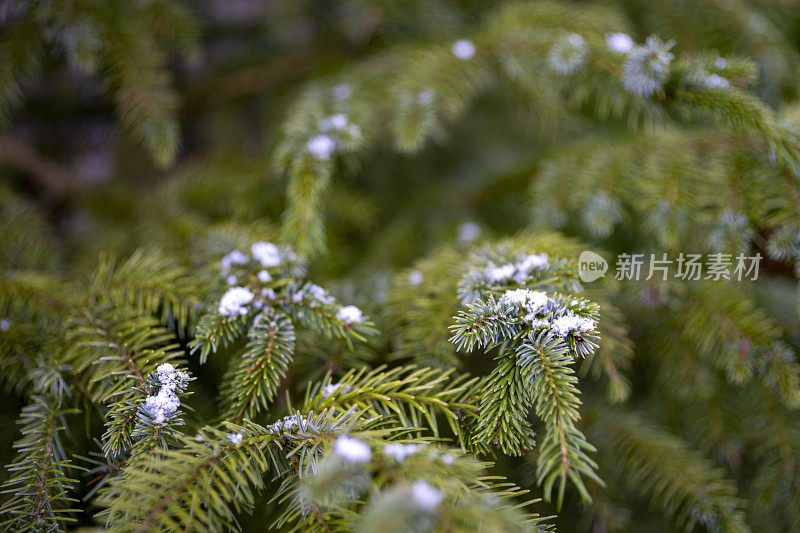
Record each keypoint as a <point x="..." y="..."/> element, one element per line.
<point x="591" y="266"/>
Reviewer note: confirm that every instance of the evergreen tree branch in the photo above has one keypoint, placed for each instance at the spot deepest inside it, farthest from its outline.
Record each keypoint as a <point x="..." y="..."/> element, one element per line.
<point x="254" y="377"/>
<point x="39" y="485"/>
<point x="677" y="480"/>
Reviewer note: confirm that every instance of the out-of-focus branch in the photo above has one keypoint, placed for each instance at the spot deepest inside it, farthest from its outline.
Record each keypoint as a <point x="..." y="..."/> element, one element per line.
<point x="55" y="182"/>
<point x="254" y="78"/>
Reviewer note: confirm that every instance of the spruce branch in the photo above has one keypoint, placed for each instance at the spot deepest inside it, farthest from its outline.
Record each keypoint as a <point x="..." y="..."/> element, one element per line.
<point x="149" y="282"/>
<point x="415" y="396"/>
<point x="503" y="408"/>
<point x="39" y="487"/>
<point x="408" y="485"/>
<point x="676" y="479"/>
<point x="215" y="474"/>
<point x="253" y="379"/>
<point x="484" y="324"/>
<point x="563" y="453"/>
